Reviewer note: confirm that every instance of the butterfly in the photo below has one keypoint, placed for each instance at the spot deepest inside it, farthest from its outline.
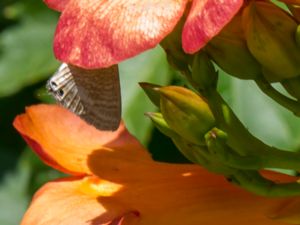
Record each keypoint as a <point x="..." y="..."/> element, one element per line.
<point x="94" y="95"/>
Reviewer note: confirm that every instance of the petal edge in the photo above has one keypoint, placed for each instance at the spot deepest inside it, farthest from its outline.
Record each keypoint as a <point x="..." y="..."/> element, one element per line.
<point x="205" y="20"/>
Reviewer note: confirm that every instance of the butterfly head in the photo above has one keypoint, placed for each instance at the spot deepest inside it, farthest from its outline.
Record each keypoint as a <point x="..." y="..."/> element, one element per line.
<point x="52" y="88"/>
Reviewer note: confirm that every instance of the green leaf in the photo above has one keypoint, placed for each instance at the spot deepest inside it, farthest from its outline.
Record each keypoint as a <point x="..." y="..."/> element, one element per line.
<point x="17" y="186"/>
<point x="265" y="119"/>
<point x="13" y="194"/>
<point x="152" y="67"/>
<point x="26" y="55"/>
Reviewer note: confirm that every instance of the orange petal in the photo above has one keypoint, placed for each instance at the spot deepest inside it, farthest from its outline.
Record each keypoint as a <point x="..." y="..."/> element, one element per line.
<point x="94" y="34"/>
<point x="187" y="194"/>
<point x="65" y="142"/>
<point x="287" y="211"/>
<point x="66" y="202"/>
<point x="205" y="20"/>
<point x="162" y="194"/>
<point x="58" y="5"/>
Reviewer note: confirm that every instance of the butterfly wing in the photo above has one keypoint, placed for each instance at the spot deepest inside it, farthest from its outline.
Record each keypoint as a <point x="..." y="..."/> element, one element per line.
<point x="100" y="95"/>
<point x="63" y="88"/>
<point x="94" y="95"/>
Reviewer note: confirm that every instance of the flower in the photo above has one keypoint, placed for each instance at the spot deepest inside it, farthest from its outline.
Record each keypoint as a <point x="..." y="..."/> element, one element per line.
<point x="262" y="40"/>
<point x="95" y="34"/>
<point x="288" y="211"/>
<point x="114" y="180"/>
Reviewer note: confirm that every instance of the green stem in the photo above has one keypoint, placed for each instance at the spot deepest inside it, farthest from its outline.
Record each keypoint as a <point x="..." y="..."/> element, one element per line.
<point x="216" y="144"/>
<point x="239" y="138"/>
<point x="244" y="144"/>
<point x="290" y="104"/>
<point x="279" y="159"/>
<point x="254" y="182"/>
<point x="243" y="170"/>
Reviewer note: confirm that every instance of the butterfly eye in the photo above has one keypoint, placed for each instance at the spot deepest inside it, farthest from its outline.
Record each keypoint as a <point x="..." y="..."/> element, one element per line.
<point x="60" y="92"/>
<point x="53" y="84"/>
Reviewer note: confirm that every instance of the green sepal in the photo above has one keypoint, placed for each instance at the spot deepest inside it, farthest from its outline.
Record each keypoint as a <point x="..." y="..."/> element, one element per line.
<point x="161" y="124"/>
<point x="150" y="91"/>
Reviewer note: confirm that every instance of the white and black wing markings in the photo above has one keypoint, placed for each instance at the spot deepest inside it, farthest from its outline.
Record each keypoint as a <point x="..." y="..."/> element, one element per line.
<point x="94" y="95"/>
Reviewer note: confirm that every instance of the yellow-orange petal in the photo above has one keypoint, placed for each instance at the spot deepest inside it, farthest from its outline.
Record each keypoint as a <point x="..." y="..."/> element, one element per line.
<point x="205" y="20"/>
<point x="162" y="194"/>
<point x="66" y="202"/>
<point x="66" y="142"/>
<point x="58" y="5"/>
<point x="95" y="34"/>
<point x="187" y="194"/>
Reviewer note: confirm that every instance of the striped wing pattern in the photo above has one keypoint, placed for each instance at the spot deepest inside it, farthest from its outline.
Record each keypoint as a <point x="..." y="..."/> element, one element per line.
<point x="94" y="95"/>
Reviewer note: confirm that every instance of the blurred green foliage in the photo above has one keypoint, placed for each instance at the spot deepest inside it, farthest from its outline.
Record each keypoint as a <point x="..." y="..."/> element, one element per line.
<point x="26" y="61"/>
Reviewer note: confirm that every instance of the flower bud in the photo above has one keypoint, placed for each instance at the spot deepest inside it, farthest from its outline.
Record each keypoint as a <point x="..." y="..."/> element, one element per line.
<point x="194" y="153"/>
<point x="229" y="50"/>
<point x="186" y="113"/>
<point x="270" y="35"/>
<point x="161" y="124"/>
<point x="150" y="91"/>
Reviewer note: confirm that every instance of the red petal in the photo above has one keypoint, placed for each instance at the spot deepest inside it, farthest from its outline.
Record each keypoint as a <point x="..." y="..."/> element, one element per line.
<point x="205" y="20"/>
<point x="58" y="5"/>
<point x="94" y="34"/>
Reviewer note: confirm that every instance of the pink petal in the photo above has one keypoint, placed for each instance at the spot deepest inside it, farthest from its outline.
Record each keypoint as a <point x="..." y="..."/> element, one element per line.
<point x="58" y="5"/>
<point x="94" y="33"/>
<point x="205" y="20"/>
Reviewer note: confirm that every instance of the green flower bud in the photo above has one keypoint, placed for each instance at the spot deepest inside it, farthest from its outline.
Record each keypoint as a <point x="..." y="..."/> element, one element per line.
<point x="161" y="124"/>
<point x="229" y="50"/>
<point x="194" y="153"/>
<point x="270" y="35"/>
<point x="186" y="113"/>
<point x="150" y="91"/>
<point x="200" y="155"/>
